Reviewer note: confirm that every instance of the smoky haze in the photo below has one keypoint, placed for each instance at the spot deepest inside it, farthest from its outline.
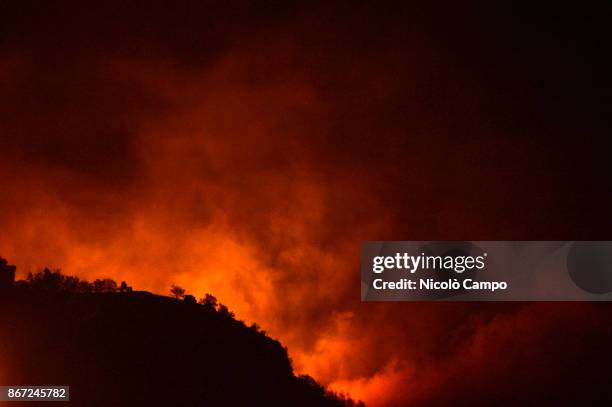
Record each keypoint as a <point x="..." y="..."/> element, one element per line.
<point x="247" y="151"/>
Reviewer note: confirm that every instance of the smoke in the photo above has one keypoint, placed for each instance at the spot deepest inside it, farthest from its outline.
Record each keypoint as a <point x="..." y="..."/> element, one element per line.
<point x="248" y="157"/>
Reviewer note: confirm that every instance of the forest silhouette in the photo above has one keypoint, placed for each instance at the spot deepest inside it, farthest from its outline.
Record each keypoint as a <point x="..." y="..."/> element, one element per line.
<point x="115" y="346"/>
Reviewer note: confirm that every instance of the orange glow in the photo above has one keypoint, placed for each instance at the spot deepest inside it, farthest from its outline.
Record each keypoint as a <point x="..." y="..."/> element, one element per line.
<point x="251" y="167"/>
<point x="227" y="202"/>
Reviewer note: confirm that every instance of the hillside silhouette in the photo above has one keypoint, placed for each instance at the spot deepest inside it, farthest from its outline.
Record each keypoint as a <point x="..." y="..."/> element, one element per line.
<point x="118" y="347"/>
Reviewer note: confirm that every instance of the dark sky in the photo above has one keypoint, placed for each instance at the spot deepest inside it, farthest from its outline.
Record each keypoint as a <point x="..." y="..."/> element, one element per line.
<point x="246" y="149"/>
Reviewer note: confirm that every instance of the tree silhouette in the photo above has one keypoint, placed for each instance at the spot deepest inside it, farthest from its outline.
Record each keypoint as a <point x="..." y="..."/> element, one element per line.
<point x="124" y="288"/>
<point x="177" y="292"/>
<point x="209" y="301"/>
<point x="105" y="285"/>
<point x="46" y="280"/>
<point x="223" y="310"/>
<point x="7" y="274"/>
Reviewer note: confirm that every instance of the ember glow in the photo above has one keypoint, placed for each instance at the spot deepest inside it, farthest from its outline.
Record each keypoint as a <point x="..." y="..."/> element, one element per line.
<point x="247" y="153"/>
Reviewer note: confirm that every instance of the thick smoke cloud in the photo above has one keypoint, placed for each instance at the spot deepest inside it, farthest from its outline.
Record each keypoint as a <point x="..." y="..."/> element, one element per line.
<point x="247" y="151"/>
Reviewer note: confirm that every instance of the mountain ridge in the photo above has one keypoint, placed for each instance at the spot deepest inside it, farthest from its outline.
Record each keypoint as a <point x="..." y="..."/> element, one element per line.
<point x="115" y="346"/>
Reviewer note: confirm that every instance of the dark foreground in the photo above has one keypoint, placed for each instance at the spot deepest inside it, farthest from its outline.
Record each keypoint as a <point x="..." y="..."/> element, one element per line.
<point x="139" y="349"/>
